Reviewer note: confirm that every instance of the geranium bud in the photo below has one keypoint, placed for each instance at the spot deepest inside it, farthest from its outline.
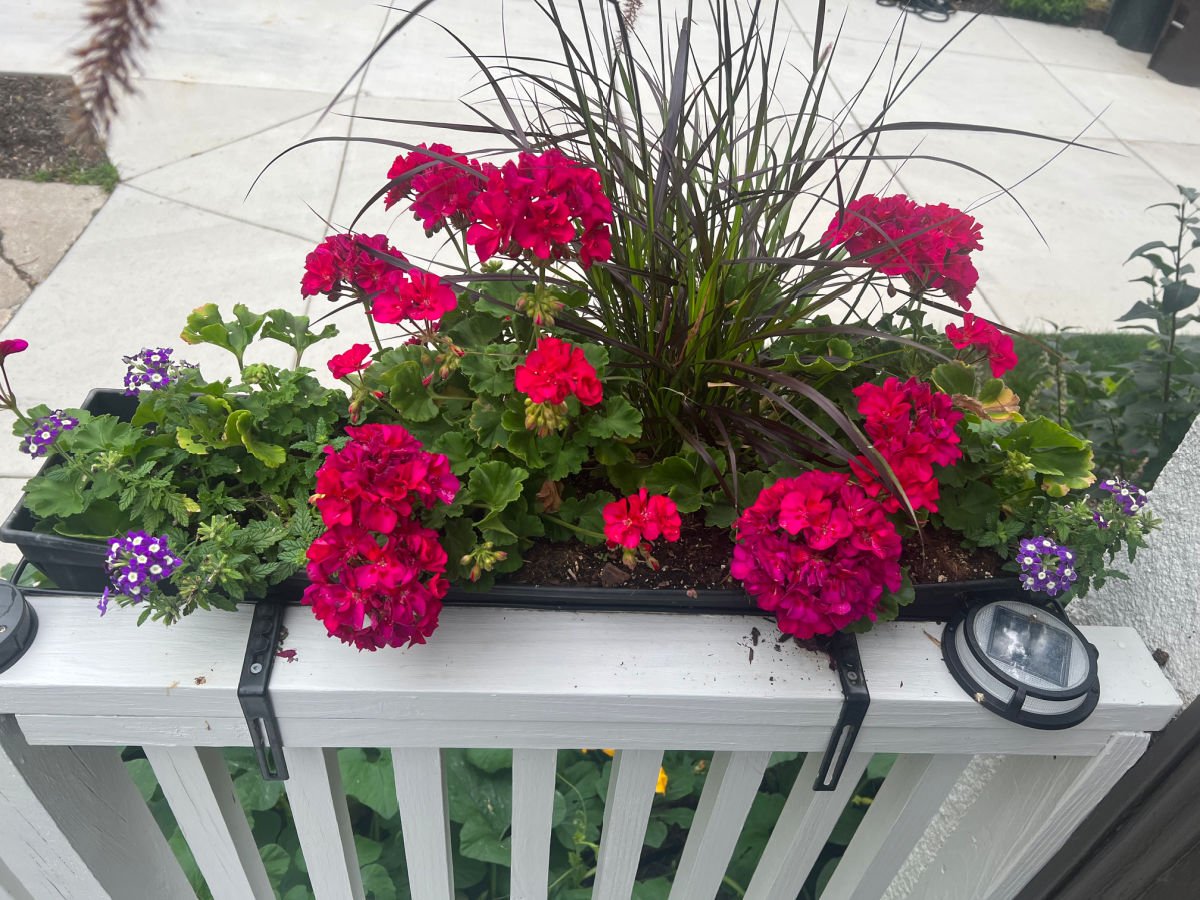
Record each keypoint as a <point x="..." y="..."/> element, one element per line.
<point x="427" y="380"/>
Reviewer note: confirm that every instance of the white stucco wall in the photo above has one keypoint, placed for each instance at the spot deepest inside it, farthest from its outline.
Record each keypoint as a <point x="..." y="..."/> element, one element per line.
<point x="1161" y="600"/>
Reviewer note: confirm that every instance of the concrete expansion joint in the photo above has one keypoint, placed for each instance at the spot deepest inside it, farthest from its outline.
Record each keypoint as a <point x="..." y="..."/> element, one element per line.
<point x="15" y="266"/>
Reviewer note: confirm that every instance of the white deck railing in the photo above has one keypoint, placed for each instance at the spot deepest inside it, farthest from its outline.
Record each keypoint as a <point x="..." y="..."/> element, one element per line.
<point x="72" y="824"/>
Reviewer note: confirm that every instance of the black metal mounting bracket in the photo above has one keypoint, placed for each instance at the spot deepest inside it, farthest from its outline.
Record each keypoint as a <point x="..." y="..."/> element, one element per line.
<point x="265" y="632"/>
<point x="856" y="699"/>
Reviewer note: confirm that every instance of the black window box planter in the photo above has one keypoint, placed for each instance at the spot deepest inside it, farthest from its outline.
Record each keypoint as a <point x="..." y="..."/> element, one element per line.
<point x="77" y="565"/>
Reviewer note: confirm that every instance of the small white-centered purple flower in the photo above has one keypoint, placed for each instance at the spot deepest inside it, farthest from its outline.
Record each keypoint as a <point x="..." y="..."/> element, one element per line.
<point x="151" y="368"/>
<point x="1047" y="567"/>
<point x="134" y="562"/>
<point x="45" y="431"/>
<point x="1131" y="498"/>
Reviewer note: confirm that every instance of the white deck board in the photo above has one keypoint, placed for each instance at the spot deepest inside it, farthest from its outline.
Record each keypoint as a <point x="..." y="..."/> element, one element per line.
<point x="633" y="680"/>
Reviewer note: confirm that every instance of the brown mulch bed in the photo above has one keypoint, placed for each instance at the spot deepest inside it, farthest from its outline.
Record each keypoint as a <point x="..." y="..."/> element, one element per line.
<point x="38" y="115"/>
<point x="700" y="561"/>
<point x="1095" y="16"/>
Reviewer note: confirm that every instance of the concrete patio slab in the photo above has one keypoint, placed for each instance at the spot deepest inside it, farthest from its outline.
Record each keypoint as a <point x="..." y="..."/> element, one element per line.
<point x="37" y="35"/>
<point x="220" y="180"/>
<point x="39" y="222"/>
<point x="1081" y="48"/>
<point x="871" y="21"/>
<point x="1176" y="163"/>
<point x="957" y="87"/>
<point x="166" y="122"/>
<point x="1136" y="108"/>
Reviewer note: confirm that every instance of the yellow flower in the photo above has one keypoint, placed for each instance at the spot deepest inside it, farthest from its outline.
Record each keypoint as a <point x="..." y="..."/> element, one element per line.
<point x="661" y="787"/>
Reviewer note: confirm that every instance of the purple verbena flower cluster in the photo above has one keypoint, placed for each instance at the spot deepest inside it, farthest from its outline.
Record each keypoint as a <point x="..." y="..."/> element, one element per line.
<point x="1046" y="567"/>
<point x="45" y="431"/>
<point x="151" y="367"/>
<point x="135" y="562"/>
<point x="1129" y="497"/>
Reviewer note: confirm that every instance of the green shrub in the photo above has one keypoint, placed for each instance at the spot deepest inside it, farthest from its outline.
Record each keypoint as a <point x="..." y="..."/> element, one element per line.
<point x="1066" y="12"/>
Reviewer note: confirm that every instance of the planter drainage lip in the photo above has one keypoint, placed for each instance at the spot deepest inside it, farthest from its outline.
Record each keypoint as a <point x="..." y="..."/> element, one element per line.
<point x="76" y="565"/>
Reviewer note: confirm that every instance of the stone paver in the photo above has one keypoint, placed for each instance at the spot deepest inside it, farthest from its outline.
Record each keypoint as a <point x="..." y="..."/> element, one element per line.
<point x="38" y="222"/>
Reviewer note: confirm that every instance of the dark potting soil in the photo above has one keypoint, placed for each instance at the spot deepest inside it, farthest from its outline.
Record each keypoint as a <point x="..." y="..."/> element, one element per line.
<point x="38" y="116"/>
<point x="700" y="561"/>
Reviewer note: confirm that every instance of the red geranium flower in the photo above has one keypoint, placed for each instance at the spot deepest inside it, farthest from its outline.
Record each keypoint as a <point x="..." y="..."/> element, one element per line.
<point x="912" y="427"/>
<point x="377" y="572"/>
<point x="351" y="361"/>
<point x="929" y="245"/>
<point x="539" y="206"/>
<point x="412" y="294"/>
<point x="554" y="370"/>
<point x="641" y="517"/>
<point x="976" y="332"/>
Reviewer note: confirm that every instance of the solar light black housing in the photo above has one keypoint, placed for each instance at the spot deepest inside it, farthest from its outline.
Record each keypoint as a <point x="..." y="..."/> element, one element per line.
<point x="18" y="625"/>
<point x="1024" y="662"/>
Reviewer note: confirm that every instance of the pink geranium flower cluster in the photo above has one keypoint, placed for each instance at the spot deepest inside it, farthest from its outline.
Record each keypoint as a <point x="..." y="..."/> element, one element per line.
<point x="818" y="552"/>
<point x="396" y="291"/>
<point x="539" y="206"/>
<point x="377" y="573"/>
<point x="929" y="245"/>
<point x="977" y="332"/>
<point x="441" y="192"/>
<point x="555" y="370"/>
<point x="912" y="427"/>
<point x="343" y="263"/>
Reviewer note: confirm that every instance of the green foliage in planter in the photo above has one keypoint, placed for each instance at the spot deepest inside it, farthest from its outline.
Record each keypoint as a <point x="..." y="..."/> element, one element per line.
<point x="1066" y="12"/>
<point x="1135" y="395"/>
<point x="479" y="789"/>
<point x="222" y="468"/>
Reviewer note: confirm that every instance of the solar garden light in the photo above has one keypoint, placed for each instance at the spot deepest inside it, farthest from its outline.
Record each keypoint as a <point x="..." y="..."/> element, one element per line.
<point x="1024" y="662"/>
<point x="18" y="625"/>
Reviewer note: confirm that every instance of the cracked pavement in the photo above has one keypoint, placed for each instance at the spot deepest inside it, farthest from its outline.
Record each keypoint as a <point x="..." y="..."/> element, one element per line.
<point x="38" y="224"/>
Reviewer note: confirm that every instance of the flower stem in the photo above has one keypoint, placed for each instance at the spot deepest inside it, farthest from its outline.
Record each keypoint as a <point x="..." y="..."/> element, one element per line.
<point x="565" y="524"/>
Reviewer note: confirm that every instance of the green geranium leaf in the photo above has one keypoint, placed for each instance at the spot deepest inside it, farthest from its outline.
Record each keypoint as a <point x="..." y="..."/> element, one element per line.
<point x="461" y="449"/>
<point x="494" y="485"/>
<point x="491" y="373"/>
<point x="1064" y="458"/>
<point x="567" y="461"/>
<point x="677" y="478"/>
<point x="485" y="422"/>
<point x="597" y="356"/>
<point x="294" y="331"/>
<point x="205" y="326"/>
<point x="528" y="447"/>
<point x="617" y="418"/>
<point x="240" y="427"/>
<point x="955" y="378"/>
<point x="408" y="394"/>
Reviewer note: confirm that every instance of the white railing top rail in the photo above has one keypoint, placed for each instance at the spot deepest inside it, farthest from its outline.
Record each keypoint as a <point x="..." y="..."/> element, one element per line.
<point x="526" y="679"/>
